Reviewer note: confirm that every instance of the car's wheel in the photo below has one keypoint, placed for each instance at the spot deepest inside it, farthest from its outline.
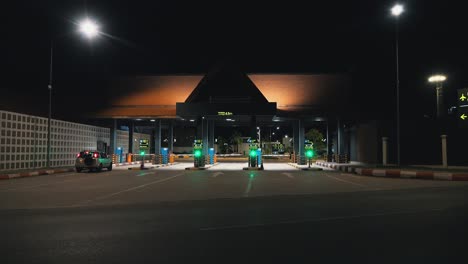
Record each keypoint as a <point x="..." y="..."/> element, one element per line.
<point x="98" y="169"/>
<point x="110" y="167"/>
<point x="78" y="169"/>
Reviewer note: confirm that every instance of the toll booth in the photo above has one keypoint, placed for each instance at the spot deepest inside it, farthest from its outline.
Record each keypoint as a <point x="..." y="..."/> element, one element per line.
<point x="198" y="157"/>
<point x="255" y="154"/>
<point x="309" y="151"/>
<point x="211" y="154"/>
<point x="120" y="155"/>
<point x="164" y="155"/>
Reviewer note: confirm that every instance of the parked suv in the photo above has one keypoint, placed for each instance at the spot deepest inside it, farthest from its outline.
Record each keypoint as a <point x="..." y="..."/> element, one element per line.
<point x="92" y="160"/>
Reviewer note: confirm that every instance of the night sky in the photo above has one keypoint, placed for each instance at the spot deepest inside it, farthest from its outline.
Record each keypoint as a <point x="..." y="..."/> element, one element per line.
<point x="166" y="37"/>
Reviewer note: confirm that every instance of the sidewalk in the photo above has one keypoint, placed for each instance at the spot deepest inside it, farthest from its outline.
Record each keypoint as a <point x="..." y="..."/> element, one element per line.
<point x="414" y="172"/>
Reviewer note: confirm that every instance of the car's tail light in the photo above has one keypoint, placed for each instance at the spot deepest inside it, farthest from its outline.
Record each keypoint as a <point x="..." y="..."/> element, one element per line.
<point x="95" y="155"/>
<point x="78" y="155"/>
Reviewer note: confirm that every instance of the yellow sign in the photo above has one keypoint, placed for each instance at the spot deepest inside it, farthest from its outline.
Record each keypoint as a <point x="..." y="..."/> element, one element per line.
<point x="463" y="98"/>
<point x="225" y="113"/>
<point x="463" y="117"/>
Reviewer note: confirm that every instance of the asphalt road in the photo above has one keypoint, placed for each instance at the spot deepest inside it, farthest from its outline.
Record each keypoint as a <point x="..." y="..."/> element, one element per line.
<point x="222" y="215"/>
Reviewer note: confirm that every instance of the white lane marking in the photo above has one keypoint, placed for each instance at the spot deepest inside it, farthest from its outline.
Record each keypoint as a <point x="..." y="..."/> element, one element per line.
<point x="289" y="175"/>
<point x="323" y="219"/>
<point x="341" y="180"/>
<point x="216" y="174"/>
<point x="130" y="189"/>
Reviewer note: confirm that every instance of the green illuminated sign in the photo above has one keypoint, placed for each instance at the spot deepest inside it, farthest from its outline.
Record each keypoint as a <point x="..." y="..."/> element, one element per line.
<point x="463" y="97"/>
<point x="197" y="153"/>
<point x="225" y="113"/>
<point x="142" y="153"/>
<point x="463" y="117"/>
<point x="144" y="143"/>
<point x="309" y="153"/>
<point x="253" y="153"/>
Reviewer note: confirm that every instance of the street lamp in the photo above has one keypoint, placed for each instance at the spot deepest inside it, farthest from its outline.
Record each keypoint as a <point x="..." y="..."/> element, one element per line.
<point x="89" y="29"/>
<point x="396" y="11"/>
<point x="438" y="80"/>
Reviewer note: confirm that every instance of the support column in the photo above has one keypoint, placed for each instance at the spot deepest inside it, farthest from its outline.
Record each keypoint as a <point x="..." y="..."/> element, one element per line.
<point x="444" y="150"/>
<point x="328" y="142"/>
<point x="302" y="159"/>
<point x="384" y="151"/>
<point x="113" y="138"/>
<point x="205" y="136"/>
<point x="157" y="137"/>
<point x="211" y="136"/>
<point x="171" y="137"/>
<point x="253" y="127"/>
<point x="131" y="128"/>
<point x="296" y="138"/>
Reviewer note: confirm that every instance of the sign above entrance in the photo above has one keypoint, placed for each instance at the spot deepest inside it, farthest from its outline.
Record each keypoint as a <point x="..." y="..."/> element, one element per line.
<point x="225" y="113"/>
<point x="144" y="143"/>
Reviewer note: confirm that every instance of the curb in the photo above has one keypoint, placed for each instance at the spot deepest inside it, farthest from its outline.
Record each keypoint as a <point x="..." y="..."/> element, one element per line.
<point x="252" y="168"/>
<point x="129" y="163"/>
<point x="202" y="168"/>
<point x="304" y="169"/>
<point x="34" y="173"/>
<point x="398" y="173"/>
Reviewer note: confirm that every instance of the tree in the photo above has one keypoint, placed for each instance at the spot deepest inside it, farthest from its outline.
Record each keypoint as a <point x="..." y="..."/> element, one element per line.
<point x="236" y="140"/>
<point x="222" y="145"/>
<point x="316" y="137"/>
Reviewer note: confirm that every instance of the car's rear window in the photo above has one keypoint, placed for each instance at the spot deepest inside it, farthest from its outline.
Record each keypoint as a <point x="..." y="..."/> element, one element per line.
<point x="87" y="154"/>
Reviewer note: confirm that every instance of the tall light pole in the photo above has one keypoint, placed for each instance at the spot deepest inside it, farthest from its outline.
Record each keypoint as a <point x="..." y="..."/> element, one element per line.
<point x="396" y="11"/>
<point x="438" y="80"/>
<point x="87" y="28"/>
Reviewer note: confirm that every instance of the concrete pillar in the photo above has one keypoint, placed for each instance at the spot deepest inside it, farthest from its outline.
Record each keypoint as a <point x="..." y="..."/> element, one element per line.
<point x="157" y="136"/>
<point x="171" y="137"/>
<point x="296" y="137"/>
<point x="131" y="129"/>
<point x="205" y="136"/>
<point x="384" y="151"/>
<point x="339" y="130"/>
<point x="444" y="150"/>
<point x="211" y="136"/>
<point x="253" y="127"/>
<point x="113" y="138"/>
<point x="301" y="137"/>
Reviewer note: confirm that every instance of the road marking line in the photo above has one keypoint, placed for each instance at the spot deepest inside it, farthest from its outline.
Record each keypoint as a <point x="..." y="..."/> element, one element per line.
<point x="289" y="175"/>
<point x="130" y="189"/>
<point x="338" y="179"/>
<point x="216" y="174"/>
<point x="320" y="219"/>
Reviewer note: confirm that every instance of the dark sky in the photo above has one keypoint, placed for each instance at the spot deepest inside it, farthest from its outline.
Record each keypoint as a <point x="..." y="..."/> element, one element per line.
<point x="154" y="37"/>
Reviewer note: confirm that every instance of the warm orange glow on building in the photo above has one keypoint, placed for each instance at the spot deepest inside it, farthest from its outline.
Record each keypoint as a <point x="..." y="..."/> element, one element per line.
<point x="156" y="96"/>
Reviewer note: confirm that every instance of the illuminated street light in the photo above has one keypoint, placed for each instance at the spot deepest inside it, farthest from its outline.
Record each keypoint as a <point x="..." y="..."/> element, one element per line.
<point x="396" y="11"/>
<point x="438" y="80"/>
<point x="89" y="29"/>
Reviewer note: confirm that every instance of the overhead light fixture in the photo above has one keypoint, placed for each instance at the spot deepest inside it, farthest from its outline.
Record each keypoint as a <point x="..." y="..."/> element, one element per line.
<point x="192" y="120"/>
<point x="152" y="120"/>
